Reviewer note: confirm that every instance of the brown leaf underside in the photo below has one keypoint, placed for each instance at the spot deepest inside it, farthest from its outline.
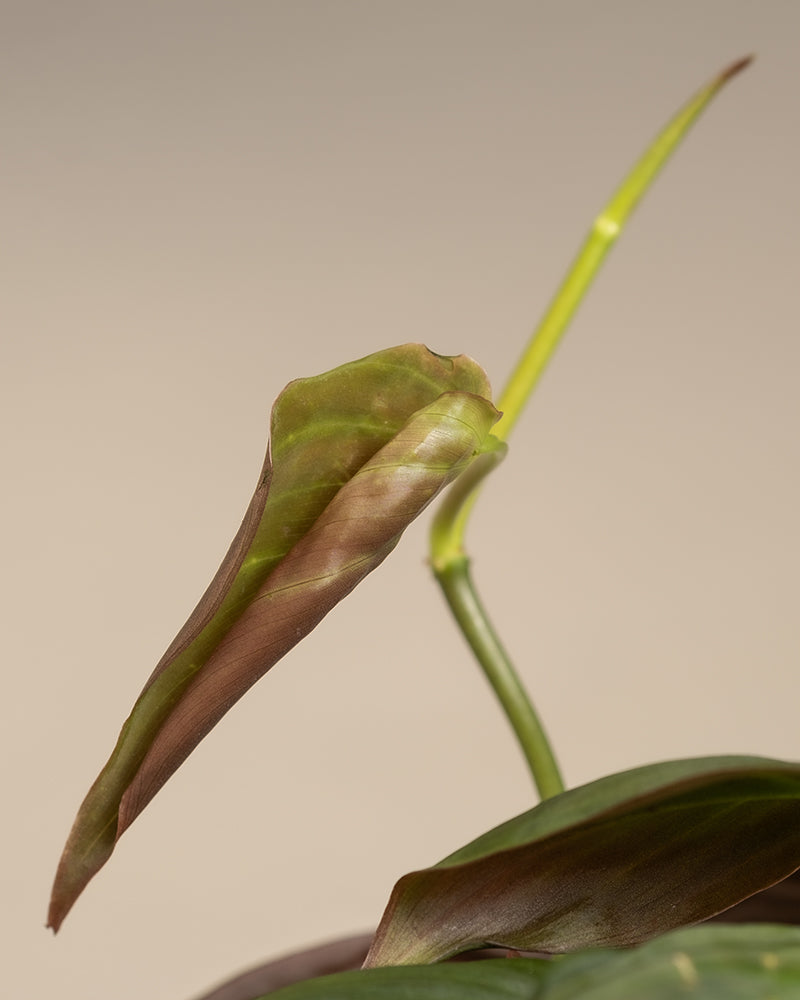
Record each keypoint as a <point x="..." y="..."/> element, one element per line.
<point x="357" y="454"/>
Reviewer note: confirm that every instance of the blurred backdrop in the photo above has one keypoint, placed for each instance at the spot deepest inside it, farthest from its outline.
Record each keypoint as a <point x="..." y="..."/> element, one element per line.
<point x="202" y="201"/>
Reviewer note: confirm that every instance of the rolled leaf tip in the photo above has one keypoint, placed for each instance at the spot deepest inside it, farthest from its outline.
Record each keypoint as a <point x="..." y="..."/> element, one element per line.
<point x="355" y="455"/>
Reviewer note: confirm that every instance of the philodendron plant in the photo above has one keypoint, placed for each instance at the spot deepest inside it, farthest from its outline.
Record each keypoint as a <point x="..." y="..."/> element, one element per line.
<point x="630" y="860"/>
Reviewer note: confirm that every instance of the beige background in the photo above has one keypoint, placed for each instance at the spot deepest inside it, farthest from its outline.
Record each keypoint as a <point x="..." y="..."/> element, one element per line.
<point x="202" y="201"/>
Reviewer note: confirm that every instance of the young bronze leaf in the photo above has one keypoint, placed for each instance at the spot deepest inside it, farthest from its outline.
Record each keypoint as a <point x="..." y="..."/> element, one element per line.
<point x="611" y="863"/>
<point x="355" y="455"/>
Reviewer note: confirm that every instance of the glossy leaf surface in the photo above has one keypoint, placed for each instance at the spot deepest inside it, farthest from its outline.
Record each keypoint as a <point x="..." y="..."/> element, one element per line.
<point x="611" y="863"/>
<point x="355" y="455"/>
<point x="714" y="962"/>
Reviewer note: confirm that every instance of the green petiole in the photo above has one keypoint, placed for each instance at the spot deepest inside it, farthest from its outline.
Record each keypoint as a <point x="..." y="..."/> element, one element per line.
<point x="448" y="558"/>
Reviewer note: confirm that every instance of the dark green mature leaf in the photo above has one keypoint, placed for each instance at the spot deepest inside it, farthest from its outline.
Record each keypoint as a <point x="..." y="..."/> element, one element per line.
<point x="704" y="963"/>
<point x="493" y="979"/>
<point x="713" y="962"/>
<point x="614" y="862"/>
<point x="356" y="454"/>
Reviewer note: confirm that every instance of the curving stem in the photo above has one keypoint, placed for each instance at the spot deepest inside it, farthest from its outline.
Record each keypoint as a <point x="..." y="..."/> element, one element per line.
<point x="448" y="556"/>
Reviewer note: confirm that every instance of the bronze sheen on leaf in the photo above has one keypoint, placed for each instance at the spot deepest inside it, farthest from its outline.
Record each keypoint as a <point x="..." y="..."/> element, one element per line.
<point x="612" y="863"/>
<point x="355" y="455"/>
<point x="712" y="962"/>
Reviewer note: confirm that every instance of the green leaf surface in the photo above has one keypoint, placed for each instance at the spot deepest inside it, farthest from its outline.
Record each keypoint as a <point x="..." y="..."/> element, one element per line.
<point x="715" y="962"/>
<point x="355" y="455"/>
<point x="493" y="979"/>
<point x="611" y="863"/>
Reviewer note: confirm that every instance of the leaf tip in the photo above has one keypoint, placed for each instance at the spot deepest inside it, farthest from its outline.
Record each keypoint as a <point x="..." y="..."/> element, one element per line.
<point x="55" y="916"/>
<point x="735" y="68"/>
<point x="61" y="902"/>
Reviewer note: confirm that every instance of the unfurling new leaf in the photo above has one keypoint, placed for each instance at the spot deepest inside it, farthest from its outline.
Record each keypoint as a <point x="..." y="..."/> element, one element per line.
<point x="355" y="455"/>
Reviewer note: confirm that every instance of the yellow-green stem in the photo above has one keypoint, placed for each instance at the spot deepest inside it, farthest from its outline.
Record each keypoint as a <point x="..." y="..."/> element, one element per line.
<point x="448" y="557"/>
<point x="456" y="583"/>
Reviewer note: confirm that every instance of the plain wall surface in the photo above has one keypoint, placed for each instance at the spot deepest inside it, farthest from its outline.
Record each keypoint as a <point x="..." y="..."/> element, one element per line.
<point x="202" y="201"/>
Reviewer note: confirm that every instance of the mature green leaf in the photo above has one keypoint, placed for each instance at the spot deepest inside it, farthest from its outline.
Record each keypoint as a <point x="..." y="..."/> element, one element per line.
<point x="614" y="862"/>
<point x="492" y="979"/>
<point x="714" y="962"/>
<point x="356" y="454"/>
